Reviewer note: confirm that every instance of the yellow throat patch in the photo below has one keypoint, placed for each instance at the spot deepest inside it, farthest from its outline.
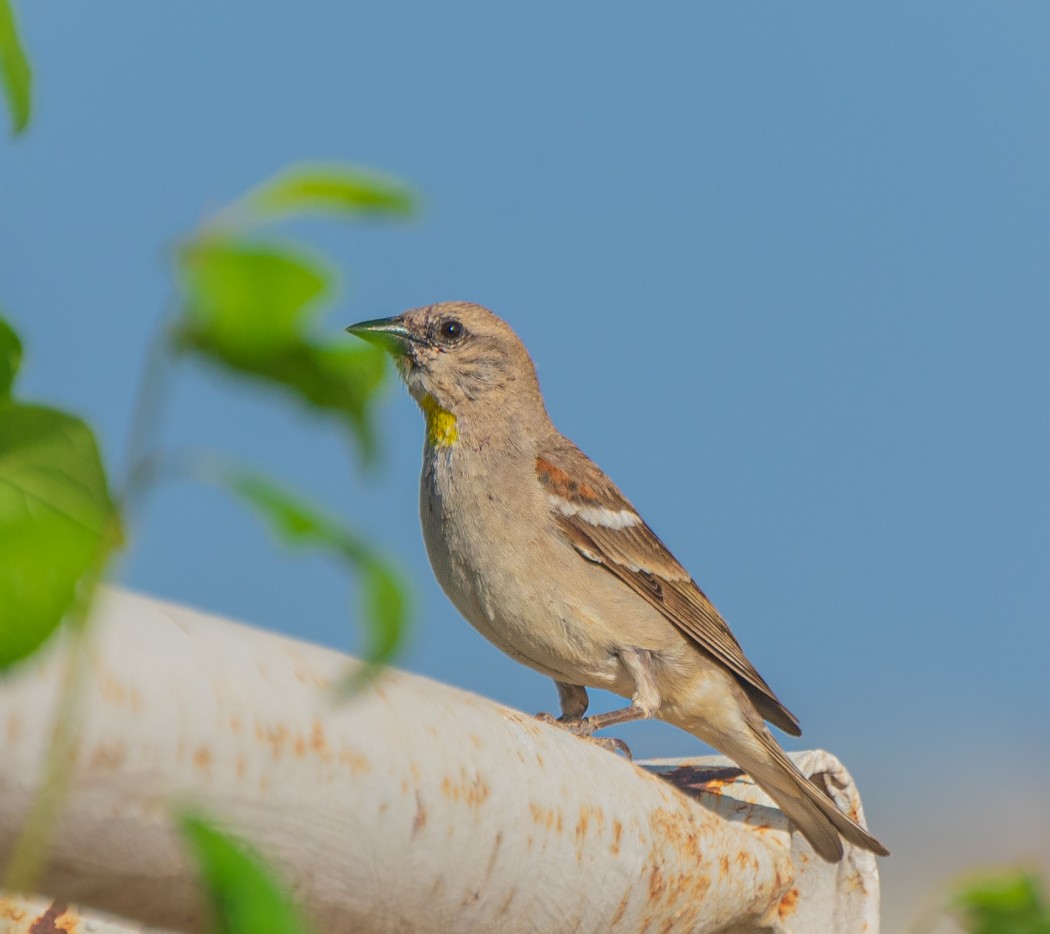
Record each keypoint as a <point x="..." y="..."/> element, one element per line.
<point x="441" y="424"/>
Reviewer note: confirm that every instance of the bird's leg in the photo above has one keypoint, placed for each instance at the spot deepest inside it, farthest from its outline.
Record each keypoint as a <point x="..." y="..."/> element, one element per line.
<point x="573" y="701"/>
<point x="646" y="698"/>
<point x="644" y="703"/>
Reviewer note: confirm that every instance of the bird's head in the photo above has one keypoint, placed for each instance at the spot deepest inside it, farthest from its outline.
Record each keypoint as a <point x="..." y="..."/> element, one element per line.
<point x="458" y="357"/>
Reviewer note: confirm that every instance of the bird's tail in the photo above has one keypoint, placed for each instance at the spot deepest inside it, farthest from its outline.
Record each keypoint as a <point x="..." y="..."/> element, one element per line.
<point x="806" y="805"/>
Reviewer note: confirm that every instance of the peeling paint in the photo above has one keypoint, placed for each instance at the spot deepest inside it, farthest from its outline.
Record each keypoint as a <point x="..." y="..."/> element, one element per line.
<point x="54" y="920"/>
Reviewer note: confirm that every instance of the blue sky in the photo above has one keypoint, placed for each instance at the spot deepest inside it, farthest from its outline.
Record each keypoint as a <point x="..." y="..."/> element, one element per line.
<point x="784" y="272"/>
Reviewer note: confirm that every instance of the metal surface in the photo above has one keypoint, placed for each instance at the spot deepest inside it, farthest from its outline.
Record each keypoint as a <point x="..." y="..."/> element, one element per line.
<point x="412" y="807"/>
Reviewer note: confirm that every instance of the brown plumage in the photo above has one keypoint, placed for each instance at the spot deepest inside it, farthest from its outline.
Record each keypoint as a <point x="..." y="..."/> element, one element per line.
<point x="542" y="553"/>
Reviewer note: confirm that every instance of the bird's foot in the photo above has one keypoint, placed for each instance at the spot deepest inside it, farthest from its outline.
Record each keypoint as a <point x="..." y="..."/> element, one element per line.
<point x="584" y="728"/>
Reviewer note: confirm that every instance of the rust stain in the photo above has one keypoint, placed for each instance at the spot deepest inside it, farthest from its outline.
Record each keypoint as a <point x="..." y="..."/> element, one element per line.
<point x="617" y="832"/>
<point x="657" y="887"/>
<point x="582" y="824"/>
<point x="354" y="761"/>
<point x="309" y="677"/>
<point x="506" y="902"/>
<point x="621" y="909"/>
<point x="419" y="821"/>
<point x="677" y="831"/>
<point x="235" y="724"/>
<point x="550" y="818"/>
<point x="107" y="756"/>
<point x="112" y="691"/>
<point x="528" y="725"/>
<point x="684" y="887"/>
<point x="723" y="866"/>
<point x="299" y="746"/>
<point x="477" y="792"/>
<point x="242" y="765"/>
<point x="275" y="737"/>
<point x="52" y="921"/>
<point x="11" y="912"/>
<point x="318" y="740"/>
<point x="472" y="790"/>
<point x="475" y="740"/>
<point x="202" y="758"/>
<point x="788" y="904"/>
<point x="492" y="856"/>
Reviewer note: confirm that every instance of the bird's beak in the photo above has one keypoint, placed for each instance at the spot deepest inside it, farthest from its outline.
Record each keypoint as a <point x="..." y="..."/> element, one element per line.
<point x="388" y="333"/>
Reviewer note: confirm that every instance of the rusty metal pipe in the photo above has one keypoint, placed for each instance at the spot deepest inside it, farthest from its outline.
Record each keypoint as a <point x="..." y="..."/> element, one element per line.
<point x="412" y="807"/>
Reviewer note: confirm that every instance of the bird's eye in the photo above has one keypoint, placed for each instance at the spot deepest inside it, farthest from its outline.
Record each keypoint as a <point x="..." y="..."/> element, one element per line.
<point x="450" y="330"/>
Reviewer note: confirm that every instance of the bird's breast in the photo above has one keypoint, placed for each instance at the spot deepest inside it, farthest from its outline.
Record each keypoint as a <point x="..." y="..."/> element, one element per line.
<point x="497" y="556"/>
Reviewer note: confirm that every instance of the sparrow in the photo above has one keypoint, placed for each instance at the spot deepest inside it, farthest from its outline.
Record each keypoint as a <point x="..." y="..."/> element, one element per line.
<point x="547" y="559"/>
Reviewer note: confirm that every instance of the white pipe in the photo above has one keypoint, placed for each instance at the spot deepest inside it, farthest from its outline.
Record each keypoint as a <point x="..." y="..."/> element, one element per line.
<point x="412" y="807"/>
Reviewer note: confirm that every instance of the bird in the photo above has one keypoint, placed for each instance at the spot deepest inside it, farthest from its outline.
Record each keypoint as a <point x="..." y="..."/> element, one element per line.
<point x="540" y="551"/>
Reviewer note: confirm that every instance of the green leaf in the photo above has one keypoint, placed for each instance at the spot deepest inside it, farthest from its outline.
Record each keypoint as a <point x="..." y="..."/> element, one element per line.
<point x="248" y="297"/>
<point x="15" y="73"/>
<point x="336" y="189"/>
<point x="1011" y="903"/>
<point x="297" y="524"/>
<point x="57" y="521"/>
<point x="247" y="308"/>
<point x="244" y="892"/>
<point x="10" y="358"/>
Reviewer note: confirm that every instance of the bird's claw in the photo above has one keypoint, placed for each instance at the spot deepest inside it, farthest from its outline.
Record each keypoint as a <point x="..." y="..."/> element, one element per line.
<point x="612" y="745"/>
<point x="584" y="727"/>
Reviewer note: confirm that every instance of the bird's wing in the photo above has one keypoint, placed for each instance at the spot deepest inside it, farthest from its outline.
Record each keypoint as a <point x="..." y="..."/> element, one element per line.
<point x="604" y="527"/>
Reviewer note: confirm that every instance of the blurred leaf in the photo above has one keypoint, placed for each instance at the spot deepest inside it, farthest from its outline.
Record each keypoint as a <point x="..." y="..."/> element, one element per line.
<point x="1011" y="903"/>
<point x="10" y="358"/>
<point x="57" y="521"/>
<point x="245" y="895"/>
<point x="249" y="297"/>
<point x="297" y="523"/>
<point x="337" y="189"/>
<point x="247" y="308"/>
<point x="15" y="73"/>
